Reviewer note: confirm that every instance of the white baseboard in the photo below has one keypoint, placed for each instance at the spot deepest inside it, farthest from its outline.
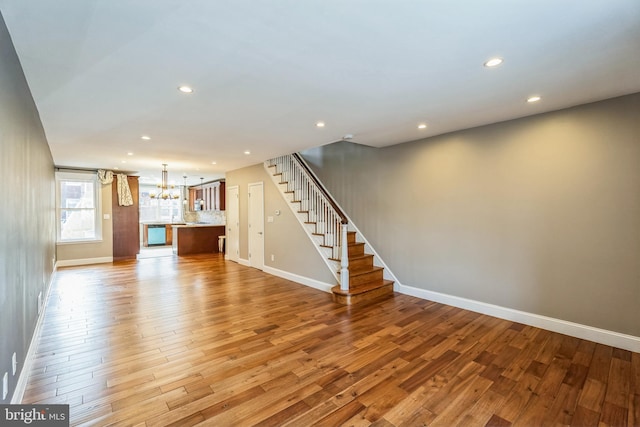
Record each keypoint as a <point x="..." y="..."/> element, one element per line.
<point x="326" y="287"/>
<point x="23" y="378"/>
<point x="602" y="336"/>
<point x="83" y="261"/>
<point x="244" y="262"/>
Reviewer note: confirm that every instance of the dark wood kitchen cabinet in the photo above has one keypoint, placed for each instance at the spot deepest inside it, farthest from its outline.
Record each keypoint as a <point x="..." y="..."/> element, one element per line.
<point x="212" y="195"/>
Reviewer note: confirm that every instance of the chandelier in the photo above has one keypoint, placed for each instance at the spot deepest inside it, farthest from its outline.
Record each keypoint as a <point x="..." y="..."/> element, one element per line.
<point x="164" y="186"/>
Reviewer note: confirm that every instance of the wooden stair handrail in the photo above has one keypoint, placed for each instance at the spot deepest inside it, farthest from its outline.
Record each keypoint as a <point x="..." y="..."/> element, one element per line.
<point x="298" y="158"/>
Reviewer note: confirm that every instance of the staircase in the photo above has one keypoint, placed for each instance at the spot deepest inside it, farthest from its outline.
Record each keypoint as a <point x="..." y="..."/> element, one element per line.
<point x="328" y="228"/>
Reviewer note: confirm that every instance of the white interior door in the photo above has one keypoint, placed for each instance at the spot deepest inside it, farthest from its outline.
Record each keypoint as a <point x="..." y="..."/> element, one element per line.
<point x="233" y="225"/>
<point x="256" y="225"/>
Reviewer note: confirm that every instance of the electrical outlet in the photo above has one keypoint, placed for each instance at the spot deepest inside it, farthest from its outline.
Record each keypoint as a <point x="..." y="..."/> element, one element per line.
<point x="5" y="385"/>
<point x="273" y="257"/>
<point x="14" y="363"/>
<point x="40" y="302"/>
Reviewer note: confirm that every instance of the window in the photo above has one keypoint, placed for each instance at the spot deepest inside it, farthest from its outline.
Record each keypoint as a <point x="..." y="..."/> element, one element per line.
<point x="157" y="208"/>
<point x="78" y="207"/>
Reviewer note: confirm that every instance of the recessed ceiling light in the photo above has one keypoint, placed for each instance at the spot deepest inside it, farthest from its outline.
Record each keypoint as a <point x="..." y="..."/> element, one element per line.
<point x="116" y="168"/>
<point x="129" y="153"/>
<point x="247" y="152"/>
<point x="214" y="163"/>
<point x="145" y="137"/>
<point x="422" y="126"/>
<point x="532" y="99"/>
<point x="320" y="124"/>
<point x="185" y="89"/>
<point x="493" y="62"/>
<point x="124" y="161"/>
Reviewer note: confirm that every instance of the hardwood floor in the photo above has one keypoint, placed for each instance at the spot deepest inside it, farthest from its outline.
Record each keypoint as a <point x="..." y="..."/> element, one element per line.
<point x="182" y="341"/>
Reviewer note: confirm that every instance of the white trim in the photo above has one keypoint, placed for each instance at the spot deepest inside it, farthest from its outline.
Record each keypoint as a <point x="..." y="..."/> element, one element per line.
<point x="231" y="206"/>
<point x="602" y="336"/>
<point x="316" y="284"/>
<point x="23" y="378"/>
<point x="83" y="261"/>
<point x="260" y="187"/>
<point x="244" y="262"/>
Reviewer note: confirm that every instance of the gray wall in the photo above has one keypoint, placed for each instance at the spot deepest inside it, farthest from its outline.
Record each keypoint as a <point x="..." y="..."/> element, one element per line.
<point x="540" y="214"/>
<point x="293" y="251"/>
<point x="27" y="220"/>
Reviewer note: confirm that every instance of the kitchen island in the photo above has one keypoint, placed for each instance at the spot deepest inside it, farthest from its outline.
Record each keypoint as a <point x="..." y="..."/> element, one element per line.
<point x="192" y="239"/>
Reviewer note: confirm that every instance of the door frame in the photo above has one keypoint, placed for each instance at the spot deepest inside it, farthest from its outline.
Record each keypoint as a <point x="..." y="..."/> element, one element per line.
<point x="255" y="261"/>
<point x="233" y="204"/>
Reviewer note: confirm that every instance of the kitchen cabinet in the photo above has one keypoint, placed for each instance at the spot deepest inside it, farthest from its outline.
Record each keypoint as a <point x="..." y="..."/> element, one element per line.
<point x="212" y="195"/>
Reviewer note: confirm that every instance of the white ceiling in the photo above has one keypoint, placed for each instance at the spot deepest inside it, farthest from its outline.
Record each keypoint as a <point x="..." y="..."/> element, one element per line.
<point x="105" y="72"/>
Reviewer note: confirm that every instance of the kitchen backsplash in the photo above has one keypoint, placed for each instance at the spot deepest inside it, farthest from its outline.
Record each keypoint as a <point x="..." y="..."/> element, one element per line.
<point x="209" y="217"/>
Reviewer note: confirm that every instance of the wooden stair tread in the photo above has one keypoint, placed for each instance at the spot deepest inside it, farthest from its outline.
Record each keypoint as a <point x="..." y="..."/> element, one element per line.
<point x="360" y="271"/>
<point x="353" y="290"/>
<point x="354" y="257"/>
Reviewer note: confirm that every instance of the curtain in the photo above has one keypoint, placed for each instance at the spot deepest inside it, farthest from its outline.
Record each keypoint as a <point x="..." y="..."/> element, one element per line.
<point x="124" y="192"/>
<point x="105" y="177"/>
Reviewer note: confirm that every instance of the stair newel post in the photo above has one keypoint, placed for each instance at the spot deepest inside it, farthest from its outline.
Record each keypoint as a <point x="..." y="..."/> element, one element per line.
<point x="344" y="259"/>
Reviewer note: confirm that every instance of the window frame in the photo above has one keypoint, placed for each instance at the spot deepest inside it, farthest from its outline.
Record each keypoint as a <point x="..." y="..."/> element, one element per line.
<point x="87" y="177"/>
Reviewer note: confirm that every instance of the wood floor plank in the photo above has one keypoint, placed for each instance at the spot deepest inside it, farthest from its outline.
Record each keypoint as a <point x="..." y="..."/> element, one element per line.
<point x="481" y="412"/>
<point x="202" y="341"/>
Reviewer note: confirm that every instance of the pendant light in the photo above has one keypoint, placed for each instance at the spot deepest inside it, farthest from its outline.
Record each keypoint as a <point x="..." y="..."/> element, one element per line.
<point x="185" y="201"/>
<point x="201" y="194"/>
